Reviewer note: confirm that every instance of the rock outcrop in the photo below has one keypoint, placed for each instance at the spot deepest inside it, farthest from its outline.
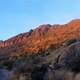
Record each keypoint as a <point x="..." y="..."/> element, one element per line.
<point x="41" y="38"/>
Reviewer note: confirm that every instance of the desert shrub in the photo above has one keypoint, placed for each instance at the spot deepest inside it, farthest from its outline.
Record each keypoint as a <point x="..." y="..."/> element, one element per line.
<point x="30" y="32"/>
<point x="5" y="62"/>
<point x="8" y="64"/>
<point x="38" y="72"/>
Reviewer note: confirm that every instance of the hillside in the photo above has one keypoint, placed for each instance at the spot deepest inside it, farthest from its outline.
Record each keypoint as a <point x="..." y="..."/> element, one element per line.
<point x="49" y="52"/>
<point x="41" y="38"/>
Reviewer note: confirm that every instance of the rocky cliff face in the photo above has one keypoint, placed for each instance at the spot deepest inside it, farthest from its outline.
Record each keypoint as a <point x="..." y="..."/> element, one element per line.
<point x="41" y="38"/>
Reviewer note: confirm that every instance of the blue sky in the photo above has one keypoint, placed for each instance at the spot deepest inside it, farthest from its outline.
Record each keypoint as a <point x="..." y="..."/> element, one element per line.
<point x="18" y="16"/>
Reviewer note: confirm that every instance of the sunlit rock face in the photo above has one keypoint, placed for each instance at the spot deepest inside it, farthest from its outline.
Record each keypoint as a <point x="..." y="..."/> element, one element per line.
<point x="41" y="38"/>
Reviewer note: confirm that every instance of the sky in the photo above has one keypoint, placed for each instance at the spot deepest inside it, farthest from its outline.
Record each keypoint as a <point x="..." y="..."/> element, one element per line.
<point x="19" y="16"/>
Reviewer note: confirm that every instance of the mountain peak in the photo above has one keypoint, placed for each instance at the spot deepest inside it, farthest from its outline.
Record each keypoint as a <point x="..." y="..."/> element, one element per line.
<point x="75" y="21"/>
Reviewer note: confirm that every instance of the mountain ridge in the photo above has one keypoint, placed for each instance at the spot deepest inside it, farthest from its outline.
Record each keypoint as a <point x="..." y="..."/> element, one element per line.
<point x="41" y="38"/>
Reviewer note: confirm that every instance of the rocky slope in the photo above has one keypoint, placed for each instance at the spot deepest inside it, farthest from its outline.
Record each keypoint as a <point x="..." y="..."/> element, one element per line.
<point x="58" y="53"/>
<point x="41" y="38"/>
